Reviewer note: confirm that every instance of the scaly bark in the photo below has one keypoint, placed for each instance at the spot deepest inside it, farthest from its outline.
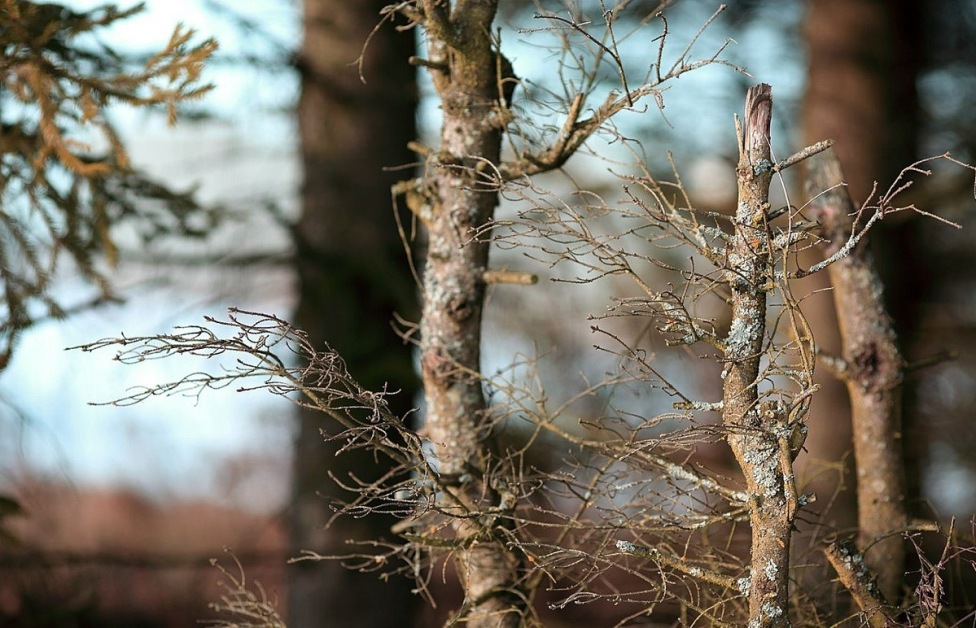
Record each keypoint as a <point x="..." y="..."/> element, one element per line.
<point x="751" y="430"/>
<point x="873" y="376"/>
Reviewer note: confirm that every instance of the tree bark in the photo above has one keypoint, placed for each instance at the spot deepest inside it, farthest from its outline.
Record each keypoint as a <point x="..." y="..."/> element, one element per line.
<point x="873" y="376"/>
<point x="464" y="68"/>
<point x="864" y="60"/>
<point x="845" y="101"/>
<point x="751" y="430"/>
<point x="353" y="276"/>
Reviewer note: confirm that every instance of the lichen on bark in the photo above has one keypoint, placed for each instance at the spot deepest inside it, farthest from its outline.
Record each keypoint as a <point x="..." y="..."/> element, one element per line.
<point x="752" y="434"/>
<point x="462" y="62"/>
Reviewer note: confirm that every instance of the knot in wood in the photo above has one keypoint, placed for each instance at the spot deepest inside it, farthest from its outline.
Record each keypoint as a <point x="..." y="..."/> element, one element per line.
<point x="437" y="364"/>
<point x="460" y="307"/>
<point x="874" y="368"/>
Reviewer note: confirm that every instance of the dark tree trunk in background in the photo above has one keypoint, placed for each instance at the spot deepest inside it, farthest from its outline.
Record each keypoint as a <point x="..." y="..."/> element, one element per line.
<point x="353" y="275"/>
<point x="864" y="61"/>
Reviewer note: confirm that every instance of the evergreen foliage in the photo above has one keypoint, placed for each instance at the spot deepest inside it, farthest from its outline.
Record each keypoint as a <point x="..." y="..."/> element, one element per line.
<point x="65" y="176"/>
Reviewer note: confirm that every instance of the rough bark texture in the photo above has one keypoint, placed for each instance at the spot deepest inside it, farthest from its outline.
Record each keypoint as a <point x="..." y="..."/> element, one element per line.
<point x="873" y="377"/>
<point x="464" y="69"/>
<point x="456" y="259"/>
<point x="353" y="275"/>
<point x="752" y="431"/>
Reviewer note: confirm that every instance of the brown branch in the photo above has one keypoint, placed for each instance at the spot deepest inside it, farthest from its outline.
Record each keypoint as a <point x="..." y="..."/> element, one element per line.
<point x="574" y="133"/>
<point x="800" y="155"/>
<point x="873" y="376"/>
<point x="931" y="360"/>
<point x="680" y="564"/>
<point x="510" y="276"/>
<point x="855" y="575"/>
<point x="612" y="51"/>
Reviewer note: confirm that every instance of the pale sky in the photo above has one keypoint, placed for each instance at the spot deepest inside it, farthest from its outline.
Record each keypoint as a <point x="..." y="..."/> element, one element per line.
<point x="170" y="447"/>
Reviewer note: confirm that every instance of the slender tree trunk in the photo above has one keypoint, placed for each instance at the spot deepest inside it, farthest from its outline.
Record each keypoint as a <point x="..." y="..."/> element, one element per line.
<point x="353" y="276"/>
<point x="464" y="68"/>
<point x="844" y="101"/>
<point x="864" y="59"/>
<point x="752" y="431"/>
<point x="873" y="375"/>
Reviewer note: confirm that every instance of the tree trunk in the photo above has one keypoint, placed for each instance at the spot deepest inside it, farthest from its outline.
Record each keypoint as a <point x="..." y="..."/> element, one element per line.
<point x="353" y="276"/>
<point x="864" y="59"/>
<point x="752" y="434"/>
<point x="873" y="374"/>
<point x="464" y="68"/>
<point x="860" y="90"/>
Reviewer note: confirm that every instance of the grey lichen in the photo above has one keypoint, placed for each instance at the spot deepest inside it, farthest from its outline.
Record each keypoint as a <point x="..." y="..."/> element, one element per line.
<point x="771" y="610"/>
<point x="764" y="469"/>
<point x="743" y="212"/>
<point x="706" y="406"/>
<point x="744" y="585"/>
<point x="626" y="546"/>
<point x="742" y="334"/>
<point x="761" y="167"/>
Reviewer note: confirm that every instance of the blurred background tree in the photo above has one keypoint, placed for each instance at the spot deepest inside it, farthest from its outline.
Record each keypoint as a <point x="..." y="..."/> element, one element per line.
<point x="356" y="115"/>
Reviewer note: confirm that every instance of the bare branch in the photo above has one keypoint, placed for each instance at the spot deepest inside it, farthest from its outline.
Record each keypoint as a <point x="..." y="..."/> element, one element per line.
<point x="856" y="577"/>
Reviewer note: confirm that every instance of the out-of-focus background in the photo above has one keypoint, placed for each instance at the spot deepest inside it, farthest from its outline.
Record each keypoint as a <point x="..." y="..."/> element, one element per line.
<point x="124" y="506"/>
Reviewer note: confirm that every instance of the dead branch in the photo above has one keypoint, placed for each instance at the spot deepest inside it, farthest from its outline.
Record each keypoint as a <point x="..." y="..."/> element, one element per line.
<point x="873" y="374"/>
